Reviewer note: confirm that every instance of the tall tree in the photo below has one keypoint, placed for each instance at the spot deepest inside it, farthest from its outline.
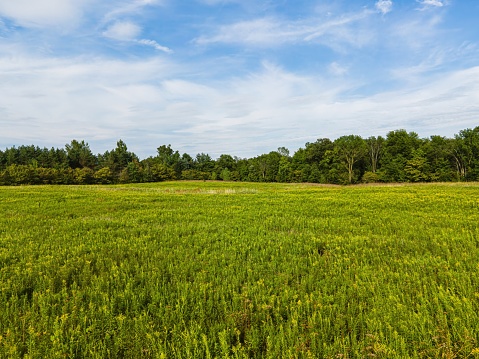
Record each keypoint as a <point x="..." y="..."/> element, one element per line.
<point x="267" y="166"/>
<point x="398" y="149"/>
<point x="3" y="160"/>
<point x="225" y="161"/>
<point x="119" y="158"/>
<point x="437" y="150"/>
<point x="465" y="150"/>
<point x="316" y="151"/>
<point x="418" y="169"/>
<point x="284" y="169"/>
<point x="350" y="149"/>
<point x="167" y="156"/>
<point x="79" y="155"/>
<point x="204" y="163"/>
<point x="375" y="147"/>
<point x="283" y="151"/>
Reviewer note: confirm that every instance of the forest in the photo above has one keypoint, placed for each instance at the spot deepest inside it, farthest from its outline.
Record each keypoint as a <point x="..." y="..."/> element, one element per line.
<point x="401" y="156"/>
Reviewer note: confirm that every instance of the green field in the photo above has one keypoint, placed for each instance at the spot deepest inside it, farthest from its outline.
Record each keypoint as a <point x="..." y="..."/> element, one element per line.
<point x="232" y="270"/>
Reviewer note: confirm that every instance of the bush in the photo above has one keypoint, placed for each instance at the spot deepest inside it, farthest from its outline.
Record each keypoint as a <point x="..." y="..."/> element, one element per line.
<point x="103" y="175"/>
<point x="370" y="177"/>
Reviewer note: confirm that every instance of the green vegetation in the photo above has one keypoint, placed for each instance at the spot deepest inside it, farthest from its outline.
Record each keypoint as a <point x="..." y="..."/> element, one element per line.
<point x="400" y="157"/>
<point x="234" y="270"/>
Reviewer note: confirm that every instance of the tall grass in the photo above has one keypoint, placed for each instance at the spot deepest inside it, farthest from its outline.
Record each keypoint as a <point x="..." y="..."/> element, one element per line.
<point x="231" y="270"/>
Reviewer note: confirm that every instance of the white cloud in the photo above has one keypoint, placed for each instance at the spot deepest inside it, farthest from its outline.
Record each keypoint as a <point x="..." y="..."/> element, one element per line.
<point x="49" y="101"/>
<point x="43" y="13"/>
<point x="427" y="4"/>
<point x="337" y="69"/>
<point x="130" y="7"/>
<point x="155" y="45"/>
<point x="273" y="32"/>
<point x="153" y="103"/>
<point x="256" y="32"/>
<point x="384" y="6"/>
<point x="61" y="99"/>
<point x="438" y="3"/>
<point x="420" y="32"/>
<point x="222" y="2"/>
<point x="126" y="30"/>
<point x="215" y="2"/>
<point x="129" y="32"/>
<point x="123" y="31"/>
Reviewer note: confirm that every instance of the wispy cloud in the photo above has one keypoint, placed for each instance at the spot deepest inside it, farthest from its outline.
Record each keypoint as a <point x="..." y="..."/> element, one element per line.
<point x="155" y="45"/>
<point x="128" y="31"/>
<point x="438" y="3"/>
<point x="274" y="73"/>
<point x="128" y="8"/>
<point x="120" y="29"/>
<point x="123" y="31"/>
<point x="44" y="13"/>
<point x="337" y="69"/>
<point x="426" y="4"/>
<point x="384" y="6"/>
<point x="273" y="32"/>
<point x="154" y="102"/>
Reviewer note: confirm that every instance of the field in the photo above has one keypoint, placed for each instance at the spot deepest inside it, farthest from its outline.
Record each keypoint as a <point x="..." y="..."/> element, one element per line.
<point x="231" y="270"/>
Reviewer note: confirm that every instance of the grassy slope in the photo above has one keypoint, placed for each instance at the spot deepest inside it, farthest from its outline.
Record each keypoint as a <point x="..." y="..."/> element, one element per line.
<point x="193" y="269"/>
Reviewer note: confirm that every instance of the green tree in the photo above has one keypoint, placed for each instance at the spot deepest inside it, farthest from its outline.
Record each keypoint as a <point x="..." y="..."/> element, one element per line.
<point x="47" y="175"/>
<point x="3" y="160"/>
<point x="160" y="172"/>
<point x="122" y="157"/>
<point x="79" y="155"/>
<point x="398" y="149"/>
<point x="283" y="151"/>
<point x="186" y="162"/>
<point x="320" y="156"/>
<point x="417" y="169"/>
<point x="225" y="174"/>
<point x="135" y="171"/>
<point x="375" y="147"/>
<point x="10" y="156"/>
<point x="168" y="157"/>
<point x="284" y="170"/>
<point x="441" y="162"/>
<point x="204" y="163"/>
<point x="316" y="151"/>
<point x="103" y="175"/>
<point x="465" y="151"/>
<point x="117" y="159"/>
<point x="225" y="162"/>
<point x="84" y="175"/>
<point x="350" y="149"/>
<point x="20" y="174"/>
<point x="265" y="167"/>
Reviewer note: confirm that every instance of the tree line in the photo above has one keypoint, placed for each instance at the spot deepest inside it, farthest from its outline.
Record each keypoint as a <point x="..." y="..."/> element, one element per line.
<point x="401" y="156"/>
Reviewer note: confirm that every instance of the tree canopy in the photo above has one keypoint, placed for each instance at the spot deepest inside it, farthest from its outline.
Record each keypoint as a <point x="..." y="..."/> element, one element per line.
<point x="399" y="157"/>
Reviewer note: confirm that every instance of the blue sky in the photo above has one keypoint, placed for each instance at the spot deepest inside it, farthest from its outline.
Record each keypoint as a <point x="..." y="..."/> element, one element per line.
<point x="242" y="77"/>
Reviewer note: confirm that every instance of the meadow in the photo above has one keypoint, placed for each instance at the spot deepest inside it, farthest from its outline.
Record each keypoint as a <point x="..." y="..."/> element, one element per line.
<point x="235" y="270"/>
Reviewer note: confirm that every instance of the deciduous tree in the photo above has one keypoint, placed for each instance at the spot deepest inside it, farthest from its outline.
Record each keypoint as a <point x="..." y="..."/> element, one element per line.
<point x="350" y="149"/>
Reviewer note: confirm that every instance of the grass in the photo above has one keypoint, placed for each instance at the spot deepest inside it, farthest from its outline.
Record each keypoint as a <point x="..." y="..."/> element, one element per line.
<point x="233" y="270"/>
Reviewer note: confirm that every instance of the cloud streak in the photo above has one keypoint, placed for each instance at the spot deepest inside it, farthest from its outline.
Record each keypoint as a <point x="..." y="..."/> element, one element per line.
<point x="430" y="4"/>
<point x="437" y="3"/>
<point x="127" y="31"/>
<point x="274" y="32"/>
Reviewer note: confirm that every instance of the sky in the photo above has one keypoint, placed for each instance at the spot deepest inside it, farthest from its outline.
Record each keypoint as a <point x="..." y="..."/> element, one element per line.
<point x="238" y="77"/>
